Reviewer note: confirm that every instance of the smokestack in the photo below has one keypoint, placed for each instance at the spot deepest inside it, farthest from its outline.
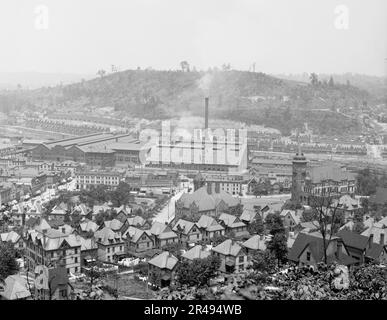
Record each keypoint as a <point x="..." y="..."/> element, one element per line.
<point x="206" y="100"/>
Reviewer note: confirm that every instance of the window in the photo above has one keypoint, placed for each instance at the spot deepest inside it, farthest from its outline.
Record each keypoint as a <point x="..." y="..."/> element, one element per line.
<point x="241" y="259"/>
<point x="76" y="261"/>
<point x="75" y="251"/>
<point x="308" y="256"/>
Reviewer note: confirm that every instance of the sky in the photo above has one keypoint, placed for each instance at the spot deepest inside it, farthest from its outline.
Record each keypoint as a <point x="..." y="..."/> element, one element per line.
<point x="279" y="36"/>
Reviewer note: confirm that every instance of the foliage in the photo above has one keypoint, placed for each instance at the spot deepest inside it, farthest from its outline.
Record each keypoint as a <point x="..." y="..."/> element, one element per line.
<point x="256" y="226"/>
<point x="174" y="248"/>
<point x="264" y="261"/>
<point x="278" y="243"/>
<point x="197" y="272"/>
<point x="8" y="263"/>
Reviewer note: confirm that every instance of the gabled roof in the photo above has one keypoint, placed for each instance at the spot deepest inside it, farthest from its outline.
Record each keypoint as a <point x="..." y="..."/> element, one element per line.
<point x="255" y="243"/>
<point x="136" y="221"/>
<point x="107" y="236"/>
<point x="231" y="221"/>
<point x="88" y="225"/>
<point x="205" y="201"/>
<point x="248" y="215"/>
<point x="375" y="251"/>
<point x="81" y="209"/>
<point x="304" y="240"/>
<point x="196" y="252"/>
<point x="354" y="240"/>
<point x="228" y="248"/>
<point x="164" y="260"/>
<point x="11" y="236"/>
<point x="158" y="228"/>
<point x="54" y="239"/>
<point x="114" y="224"/>
<point x="296" y="218"/>
<point x="88" y="244"/>
<point x="134" y="234"/>
<point x="16" y="288"/>
<point x="377" y="230"/>
<point x="183" y="226"/>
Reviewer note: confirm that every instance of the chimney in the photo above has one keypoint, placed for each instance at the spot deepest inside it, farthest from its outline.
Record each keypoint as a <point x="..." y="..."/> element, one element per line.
<point x="382" y="239"/>
<point x="63" y="230"/>
<point x="339" y="248"/>
<point x="44" y="237"/>
<point x="209" y="188"/>
<point x="206" y="100"/>
<point x="371" y="240"/>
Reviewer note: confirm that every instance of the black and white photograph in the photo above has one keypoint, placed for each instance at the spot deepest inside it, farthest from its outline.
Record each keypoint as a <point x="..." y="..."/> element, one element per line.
<point x="210" y="151"/>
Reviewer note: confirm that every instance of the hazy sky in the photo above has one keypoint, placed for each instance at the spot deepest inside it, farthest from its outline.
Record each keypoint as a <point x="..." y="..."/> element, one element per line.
<point x="280" y="36"/>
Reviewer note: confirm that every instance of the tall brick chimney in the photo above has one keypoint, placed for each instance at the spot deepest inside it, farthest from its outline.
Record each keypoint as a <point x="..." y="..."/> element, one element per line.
<point x="206" y="101"/>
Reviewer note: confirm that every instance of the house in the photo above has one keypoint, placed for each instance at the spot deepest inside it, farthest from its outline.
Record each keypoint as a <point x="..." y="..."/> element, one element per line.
<point x="210" y="228"/>
<point x="291" y="219"/>
<point x="59" y="212"/>
<point x="187" y="231"/>
<point x="232" y="256"/>
<point x="377" y="253"/>
<point x="348" y="206"/>
<point x="116" y="225"/>
<point x="248" y="216"/>
<point x="234" y="225"/>
<point x="309" y="226"/>
<point x="162" y="269"/>
<point x="82" y="210"/>
<point x="162" y="235"/>
<point x="110" y="244"/>
<point x="197" y="252"/>
<point x="139" y="222"/>
<point x="18" y="213"/>
<point x="87" y="226"/>
<point x="15" y="288"/>
<point x="377" y="231"/>
<point x="356" y="244"/>
<point x="308" y="249"/>
<point x="14" y="238"/>
<point x="89" y="250"/>
<point x="58" y="286"/>
<point x="204" y="201"/>
<point x="35" y="210"/>
<point x="254" y="244"/>
<point x="138" y="240"/>
<point x="52" y="247"/>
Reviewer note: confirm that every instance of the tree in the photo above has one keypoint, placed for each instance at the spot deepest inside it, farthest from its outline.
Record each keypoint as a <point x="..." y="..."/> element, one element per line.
<point x="358" y="226"/>
<point x="278" y="243"/>
<point x="121" y="195"/>
<point x="256" y="226"/>
<point x="174" y="248"/>
<point x="8" y="263"/>
<point x="366" y="182"/>
<point x="325" y="210"/>
<point x="331" y="82"/>
<point x="264" y="261"/>
<point x="93" y="273"/>
<point x="184" y="66"/>
<point x="198" y="271"/>
<point x="101" y="73"/>
<point x="314" y="79"/>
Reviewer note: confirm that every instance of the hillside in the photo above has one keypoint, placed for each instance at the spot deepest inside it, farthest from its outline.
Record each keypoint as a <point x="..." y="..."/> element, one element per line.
<point x="254" y="98"/>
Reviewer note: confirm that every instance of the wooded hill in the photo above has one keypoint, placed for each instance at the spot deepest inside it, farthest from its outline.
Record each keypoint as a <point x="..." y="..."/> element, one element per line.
<point x="254" y="98"/>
